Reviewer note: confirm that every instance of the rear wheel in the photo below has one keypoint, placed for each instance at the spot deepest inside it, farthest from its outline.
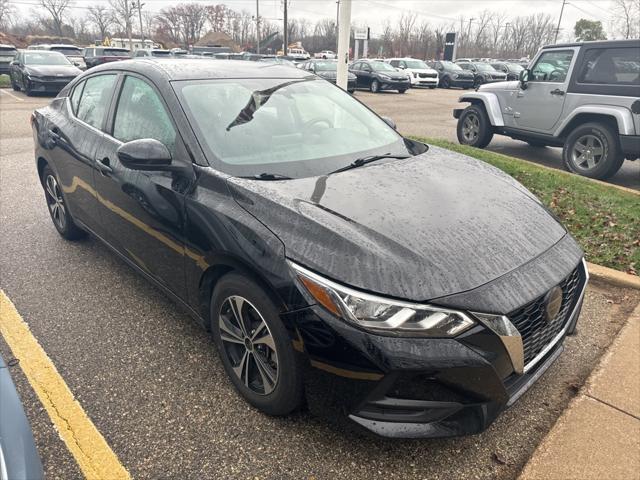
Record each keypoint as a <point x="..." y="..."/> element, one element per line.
<point x="375" y="86"/>
<point x="14" y="85"/>
<point x="445" y="83"/>
<point x="592" y="150"/>
<point x="57" y="206"/>
<point x="474" y="127"/>
<point x="254" y="346"/>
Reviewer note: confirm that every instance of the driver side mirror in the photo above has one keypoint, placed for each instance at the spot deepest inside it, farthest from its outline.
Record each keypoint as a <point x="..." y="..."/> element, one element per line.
<point x="145" y="154"/>
<point x="389" y="122"/>
<point x="524" y="78"/>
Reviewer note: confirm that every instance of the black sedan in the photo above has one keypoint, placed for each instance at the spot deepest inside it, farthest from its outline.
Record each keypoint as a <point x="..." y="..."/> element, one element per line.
<point x="41" y="71"/>
<point x="330" y="257"/>
<point x="328" y="69"/>
<point x="452" y="75"/>
<point x="377" y="76"/>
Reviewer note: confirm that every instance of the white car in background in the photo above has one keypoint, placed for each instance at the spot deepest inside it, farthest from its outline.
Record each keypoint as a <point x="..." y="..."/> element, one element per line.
<point x="326" y="54"/>
<point x="421" y="74"/>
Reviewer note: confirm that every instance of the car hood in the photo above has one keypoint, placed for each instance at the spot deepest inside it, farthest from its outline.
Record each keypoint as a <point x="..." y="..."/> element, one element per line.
<point x="394" y="75"/>
<point x="420" y="228"/>
<point x="464" y="74"/>
<point x="420" y="70"/>
<point x="511" y="85"/>
<point x="53" y="70"/>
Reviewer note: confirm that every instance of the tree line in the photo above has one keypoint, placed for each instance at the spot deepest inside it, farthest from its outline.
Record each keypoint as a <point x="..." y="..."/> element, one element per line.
<point x="486" y="34"/>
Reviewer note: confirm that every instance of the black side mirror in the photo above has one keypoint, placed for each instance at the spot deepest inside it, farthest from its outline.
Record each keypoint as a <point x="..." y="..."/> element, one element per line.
<point x="524" y="78"/>
<point x="389" y="122"/>
<point x="145" y="154"/>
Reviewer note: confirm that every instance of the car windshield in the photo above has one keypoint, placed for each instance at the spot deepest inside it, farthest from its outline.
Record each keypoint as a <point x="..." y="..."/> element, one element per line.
<point x="326" y="66"/>
<point x="73" y="51"/>
<point x="381" y="67"/>
<point x="416" y="64"/>
<point x="115" y="52"/>
<point x="514" y="67"/>
<point x="5" y="52"/>
<point x="45" y="58"/>
<point x="484" y="67"/>
<point x="294" y="127"/>
<point x="452" y="66"/>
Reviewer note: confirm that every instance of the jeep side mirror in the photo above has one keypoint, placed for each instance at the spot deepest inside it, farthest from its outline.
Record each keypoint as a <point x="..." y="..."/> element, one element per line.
<point x="524" y="78"/>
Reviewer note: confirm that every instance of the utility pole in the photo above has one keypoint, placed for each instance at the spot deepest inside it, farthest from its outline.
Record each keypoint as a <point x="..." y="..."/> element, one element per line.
<point x="285" y="34"/>
<point x="337" y="21"/>
<point x="139" y="6"/>
<point x="343" y="43"/>
<point x="258" y="26"/>
<point x="555" y="40"/>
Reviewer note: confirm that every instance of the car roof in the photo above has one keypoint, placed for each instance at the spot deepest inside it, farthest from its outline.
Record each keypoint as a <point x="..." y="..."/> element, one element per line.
<point x="202" y="68"/>
<point x="6" y="45"/>
<point x="599" y="43"/>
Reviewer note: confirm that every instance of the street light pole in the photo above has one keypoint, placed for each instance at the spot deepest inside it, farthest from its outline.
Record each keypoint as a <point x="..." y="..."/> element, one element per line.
<point x="343" y="43"/>
<point x="555" y="40"/>
<point x="285" y="34"/>
<point x="258" y="26"/>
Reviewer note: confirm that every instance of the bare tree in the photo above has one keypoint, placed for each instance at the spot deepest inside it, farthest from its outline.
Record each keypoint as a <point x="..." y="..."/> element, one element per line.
<point x="217" y="15"/>
<point x="7" y="12"/>
<point x="57" y="9"/>
<point x="626" y="15"/>
<point x="101" y="19"/>
<point x="122" y="15"/>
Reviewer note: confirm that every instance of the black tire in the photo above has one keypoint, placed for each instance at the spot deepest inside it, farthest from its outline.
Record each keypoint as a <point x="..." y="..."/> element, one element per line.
<point x="601" y="157"/>
<point x="285" y="395"/>
<point x="536" y="144"/>
<point x="477" y="82"/>
<point x="402" y="91"/>
<point x="431" y="87"/>
<point x="14" y="85"/>
<point x="352" y="91"/>
<point x="445" y="83"/>
<point x="474" y="127"/>
<point x="57" y="206"/>
<point x="27" y="87"/>
<point x="375" y="86"/>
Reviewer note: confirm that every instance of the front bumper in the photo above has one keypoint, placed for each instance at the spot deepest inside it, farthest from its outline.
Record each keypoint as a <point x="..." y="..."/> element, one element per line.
<point x="418" y="387"/>
<point x="395" y="85"/>
<point x="47" y="86"/>
<point x="462" y="82"/>
<point x="424" y="82"/>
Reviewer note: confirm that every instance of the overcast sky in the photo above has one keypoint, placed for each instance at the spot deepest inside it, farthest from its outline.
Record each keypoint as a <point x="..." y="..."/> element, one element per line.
<point x="374" y="13"/>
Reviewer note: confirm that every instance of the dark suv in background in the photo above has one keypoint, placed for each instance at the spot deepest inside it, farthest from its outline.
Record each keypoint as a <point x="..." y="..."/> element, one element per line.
<point x="512" y="70"/>
<point x="98" y="55"/>
<point x="7" y="54"/>
<point x="483" y="72"/>
<point x="452" y="75"/>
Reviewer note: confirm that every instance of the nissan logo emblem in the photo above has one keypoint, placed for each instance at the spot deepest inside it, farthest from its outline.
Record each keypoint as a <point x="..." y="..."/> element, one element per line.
<point x="552" y="304"/>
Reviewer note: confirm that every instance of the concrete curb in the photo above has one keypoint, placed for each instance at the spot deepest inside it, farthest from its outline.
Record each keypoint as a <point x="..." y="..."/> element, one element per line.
<point x="613" y="277"/>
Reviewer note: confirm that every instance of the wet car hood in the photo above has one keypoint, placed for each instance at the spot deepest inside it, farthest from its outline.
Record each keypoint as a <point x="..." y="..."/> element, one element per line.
<point x="394" y="75"/>
<point x="420" y="228"/>
<point x="53" y="70"/>
<point x="329" y="75"/>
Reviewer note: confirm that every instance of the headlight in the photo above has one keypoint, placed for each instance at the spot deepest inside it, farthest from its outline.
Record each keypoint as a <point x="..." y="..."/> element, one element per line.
<point x="415" y="75"/>
<point x="455" y="75"/>
<point x="386" y="77"/>
<point x="382" y="315"/>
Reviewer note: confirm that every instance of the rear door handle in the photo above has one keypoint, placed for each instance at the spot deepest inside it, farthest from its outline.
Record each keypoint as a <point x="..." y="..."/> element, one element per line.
<point x="104" y="166"/>
<point x="557" y="91"/>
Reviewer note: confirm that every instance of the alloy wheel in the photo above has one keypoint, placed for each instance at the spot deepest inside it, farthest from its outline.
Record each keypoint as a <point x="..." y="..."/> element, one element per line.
<point x="248" y="345"/>
<point x="55" y="202"/>
<point x="471" y="127"/>
<point x="587" y="152"/>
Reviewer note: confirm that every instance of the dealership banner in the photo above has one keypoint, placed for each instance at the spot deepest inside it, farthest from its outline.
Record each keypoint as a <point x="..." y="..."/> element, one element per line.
<point x="450" y="47"/>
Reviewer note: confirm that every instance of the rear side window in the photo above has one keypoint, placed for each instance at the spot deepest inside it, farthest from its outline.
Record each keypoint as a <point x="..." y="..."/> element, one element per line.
<point x="75" y="97"/>
<point x="141" y="114"/>
<point x="611" y="66"/>
<point x="95" y="99"/>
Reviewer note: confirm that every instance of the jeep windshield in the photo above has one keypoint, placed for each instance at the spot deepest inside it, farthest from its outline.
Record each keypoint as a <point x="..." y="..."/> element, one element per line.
<point x="294" y="127"/>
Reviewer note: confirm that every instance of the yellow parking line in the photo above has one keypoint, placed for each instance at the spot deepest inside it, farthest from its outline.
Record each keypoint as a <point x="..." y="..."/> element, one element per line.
<point x="94" y="456"/>
<point x="12" y="95"/>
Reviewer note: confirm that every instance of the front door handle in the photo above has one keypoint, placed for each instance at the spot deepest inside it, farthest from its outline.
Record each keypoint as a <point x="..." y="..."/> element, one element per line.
<point x="104" y="166"/>
<point x="557" y="91"/>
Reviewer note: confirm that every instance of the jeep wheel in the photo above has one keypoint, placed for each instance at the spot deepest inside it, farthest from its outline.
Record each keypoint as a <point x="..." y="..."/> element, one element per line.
<point x="592" y="150"/>
<point x="474" y="128"/>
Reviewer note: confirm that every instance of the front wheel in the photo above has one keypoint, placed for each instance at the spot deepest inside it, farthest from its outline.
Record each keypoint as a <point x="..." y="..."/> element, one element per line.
<point x="402" y="91"/>
<point x="27" y="87"/>
<point x="375" y="86"/>
<point x="445" y="83"/>
<point x="474" y="128"/>
<point x="254" y="346"/>
<point x="57" y="205"/>
<point x="592" y="150"/>
<point x="431" y="87"/>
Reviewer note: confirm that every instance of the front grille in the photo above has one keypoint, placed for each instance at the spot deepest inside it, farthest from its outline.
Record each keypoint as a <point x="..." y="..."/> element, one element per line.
<point x="57" y="79"/>
<point x="536" y="332"/>
<point x="427" y="75"/>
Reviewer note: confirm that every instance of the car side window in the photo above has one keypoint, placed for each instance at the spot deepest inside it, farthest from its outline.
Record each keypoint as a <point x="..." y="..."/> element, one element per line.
<point x="75" y="97"/>
<point x="403" y="65"/>
<point x="141" y="114"/>
<point x="95" y="99"/>
<point x="552" y="66"/>
<point x="611" y="66"/>
<point x="394" y="63"/>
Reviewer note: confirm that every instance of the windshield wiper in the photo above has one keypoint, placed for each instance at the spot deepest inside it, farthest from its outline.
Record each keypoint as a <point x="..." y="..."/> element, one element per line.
<point x="268" y="176"/>
<point x="364" y="160"/>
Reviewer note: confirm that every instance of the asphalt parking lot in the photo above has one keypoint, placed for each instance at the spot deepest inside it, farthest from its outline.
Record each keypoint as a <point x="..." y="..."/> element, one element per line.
<point x="149" y="378"/>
